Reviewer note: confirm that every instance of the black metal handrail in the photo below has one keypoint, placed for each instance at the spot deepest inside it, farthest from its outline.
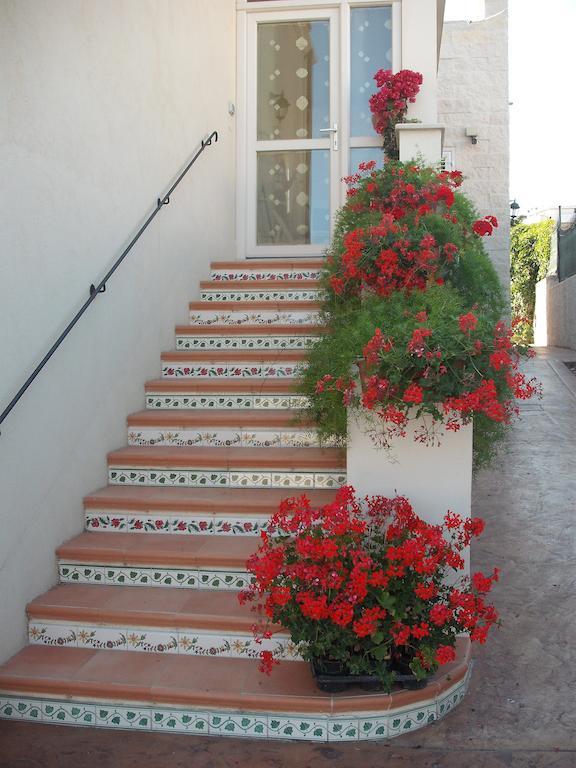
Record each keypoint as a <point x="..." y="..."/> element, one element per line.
<point x="96" y="290"/>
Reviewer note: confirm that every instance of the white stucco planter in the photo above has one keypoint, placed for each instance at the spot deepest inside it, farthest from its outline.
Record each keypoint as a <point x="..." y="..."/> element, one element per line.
<point x="433" y="478"/>
<point x="415" y="139"/>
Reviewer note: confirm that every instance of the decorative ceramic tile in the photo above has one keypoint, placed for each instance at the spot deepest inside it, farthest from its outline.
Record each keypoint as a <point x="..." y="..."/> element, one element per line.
<point x="83" y="574"/>
<point x="269" y="294"/>
<point x="71" y="713"/>
<point x="102" y="637"/>
<point x="189" y="478"/>
<point x="13" y="708"/>
<point x="41" y="633"/>
<point x="234" y="646"/>
<point x="344" y="729"/>
<point x="199" y="401"/>
<point x="410" y="720"/>
<point x="233" y="580"/>
<point x="129" y="576"/>
<point x="237" y="725"/>
<point x="263" y="317"/>
<point x="192" y="478"/>
<point x="373" y="727"/>
<point x="266" y="274"/>
<point x="447" y="702"/>
<point x="138" y="718"/>
<point x="238" y="370"/>
<point x="184" y="525"/>
<point x="244" y="342"/>
<point x="310" y="729"/>
<point x="216" y="437"/>
<point x="181" y="721"/>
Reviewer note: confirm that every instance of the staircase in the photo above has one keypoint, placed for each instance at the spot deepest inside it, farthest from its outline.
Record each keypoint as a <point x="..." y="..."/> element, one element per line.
<point x="144" y="630"/>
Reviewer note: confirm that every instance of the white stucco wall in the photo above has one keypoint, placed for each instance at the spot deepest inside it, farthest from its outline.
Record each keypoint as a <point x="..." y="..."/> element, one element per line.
<point x="555" y="313"/>
<point x="103" y="102"/>
<point x="473" y="93"/>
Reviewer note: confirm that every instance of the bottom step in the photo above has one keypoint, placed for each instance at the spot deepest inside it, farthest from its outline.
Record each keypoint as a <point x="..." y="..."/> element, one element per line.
<point x="224" y="697"/>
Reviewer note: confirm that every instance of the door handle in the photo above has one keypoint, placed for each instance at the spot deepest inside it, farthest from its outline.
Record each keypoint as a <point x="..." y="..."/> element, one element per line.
<point x="334" y="132"/>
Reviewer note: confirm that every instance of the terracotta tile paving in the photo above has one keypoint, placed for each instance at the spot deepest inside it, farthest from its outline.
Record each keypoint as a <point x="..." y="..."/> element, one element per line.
<point x="519" y="712"/>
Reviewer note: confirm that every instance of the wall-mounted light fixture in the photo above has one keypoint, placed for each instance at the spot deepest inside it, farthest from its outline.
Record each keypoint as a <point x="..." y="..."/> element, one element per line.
<point x="472" y="134"/>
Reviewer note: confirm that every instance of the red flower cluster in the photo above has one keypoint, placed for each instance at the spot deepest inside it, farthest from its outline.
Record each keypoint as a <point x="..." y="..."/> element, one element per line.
<point x="354" y="580"/>
<point x="485" y="226"/>
<point x="397" y="253"/>
<point x="396" y="91"/>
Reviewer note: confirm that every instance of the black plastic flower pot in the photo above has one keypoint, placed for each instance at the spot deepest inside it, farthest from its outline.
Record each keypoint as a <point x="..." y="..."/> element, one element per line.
<point x="333" y="677"/>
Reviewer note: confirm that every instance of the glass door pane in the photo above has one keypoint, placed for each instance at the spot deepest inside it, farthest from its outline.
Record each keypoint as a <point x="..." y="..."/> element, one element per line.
<point x="292" y="141"/>
<point x="370" y="50"/>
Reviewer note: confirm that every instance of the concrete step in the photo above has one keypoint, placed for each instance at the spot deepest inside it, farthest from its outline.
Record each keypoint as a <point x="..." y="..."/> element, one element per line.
<point x="247" y="337"/>
<point x="278" y="363"/>
<point x="262" y="313"/>
<point x="185" y="511"/>
<point x="150" y="620"/>
<point x="234" y="393"/>
<point x="247" y="428"/>
<point x="215" y="696"/>
<point x="260" y="291"/>
<point x="288" y="468"/>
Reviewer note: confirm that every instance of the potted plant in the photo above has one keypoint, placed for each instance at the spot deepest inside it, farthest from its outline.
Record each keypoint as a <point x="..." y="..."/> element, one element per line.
<point x="411" y="294"/>
<point x="390" y="104"/>
<point x="370" y="593"/>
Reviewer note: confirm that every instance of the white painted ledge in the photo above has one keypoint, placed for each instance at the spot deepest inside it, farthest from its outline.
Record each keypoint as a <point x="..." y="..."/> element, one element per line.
<point x="425" y="139"/>
<point x="434" y="479"/>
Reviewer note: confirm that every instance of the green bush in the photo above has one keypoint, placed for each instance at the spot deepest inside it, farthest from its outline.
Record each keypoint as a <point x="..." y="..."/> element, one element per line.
<point x="529" y="261"/>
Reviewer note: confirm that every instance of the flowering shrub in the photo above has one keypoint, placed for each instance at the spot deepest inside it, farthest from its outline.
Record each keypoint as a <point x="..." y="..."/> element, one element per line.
<point x="413" y="298"/>
<point x="390" y="103"/>
<point x="360" y="583"/>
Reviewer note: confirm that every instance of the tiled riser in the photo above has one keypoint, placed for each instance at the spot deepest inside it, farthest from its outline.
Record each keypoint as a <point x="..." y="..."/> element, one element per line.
<point x="219" y="437"/>
<point x="192" y="478"/>
<point x="100" y="521"/>
<point x="267" y="295"/>
<point x="160" y="400"/>
<point x="315" y="728"/>
<point x="141" y="576"/>
<point x="220" y="370"/>
<point x="248" y="275"/>
<point x="183" y="642"/>
<point x="245" y="342"/>
<point x="209" y="317"/>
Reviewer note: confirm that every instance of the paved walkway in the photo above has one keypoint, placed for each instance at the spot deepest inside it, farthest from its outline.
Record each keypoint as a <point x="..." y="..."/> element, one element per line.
<point x="521" y="709"/>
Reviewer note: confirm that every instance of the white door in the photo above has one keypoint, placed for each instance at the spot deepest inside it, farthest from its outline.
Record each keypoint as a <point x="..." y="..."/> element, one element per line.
<point x="306" y="78"/>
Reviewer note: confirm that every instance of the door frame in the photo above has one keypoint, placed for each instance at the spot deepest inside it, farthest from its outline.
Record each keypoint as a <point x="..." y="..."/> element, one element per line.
<point x="338" y="13"/>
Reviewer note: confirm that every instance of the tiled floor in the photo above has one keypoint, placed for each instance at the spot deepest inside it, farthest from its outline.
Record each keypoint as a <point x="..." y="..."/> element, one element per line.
<point x="519" y="712"/>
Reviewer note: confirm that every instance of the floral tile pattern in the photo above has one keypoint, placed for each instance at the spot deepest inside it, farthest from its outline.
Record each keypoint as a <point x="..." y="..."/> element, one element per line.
<point x="262" y="295"/>
<point x="306" y="728"/>
<point x="138" y="576"/>
<point x="411" y="720"/>
<point x="225" y="479"/>
<point x="235" y="370"/>
<point x="238" y="725"/>
<point x="216" y="437"/>
<point x="99" y="521"/>
<point x="123" y="717"/>
<point x="188" y="642"/>
<point x="160" y="400"/>
<point x="183" y="722"/>
<point x="244" y="342"/>
<point x="263" y="317"/>
<point x="266" y="274"/>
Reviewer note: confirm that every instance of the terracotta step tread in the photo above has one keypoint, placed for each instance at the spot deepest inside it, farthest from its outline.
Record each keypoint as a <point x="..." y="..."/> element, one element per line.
<point x="236" y="356"/>
<point x="222" y="386"/>
<point x="240" y="501"/>
<point x="249" y="330"/>
<point x="255" y="285"/>
<point x="147" y="606"/>
<point x="243" y="306"/>
<point x="195" y="681"/>
<point x="236" y="419"/>
<point x="262" y="264"/>
<point x="159" y="549"/>
<point x="230" y="458"/>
